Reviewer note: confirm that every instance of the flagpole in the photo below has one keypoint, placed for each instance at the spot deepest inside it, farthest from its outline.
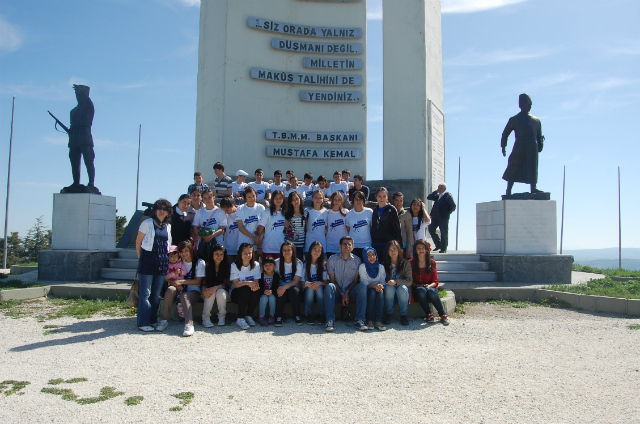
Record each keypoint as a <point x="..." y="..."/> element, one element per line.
<point x="138" y="176"/>
<point x="619" y="224"/>
<point x="6" y="213"/>
<point x="458" y="206"/>
<point x="564" y="175"/>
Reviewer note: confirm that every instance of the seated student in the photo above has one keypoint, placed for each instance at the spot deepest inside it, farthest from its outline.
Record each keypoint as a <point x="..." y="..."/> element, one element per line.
<point x="261" y="188"/>
<point x="215" y="285"/>
<point x="248" y="219"/>
<point x="336" y="224"/>
<point x="358" y="186"/>
<point x="339" y="185"/>
<point x="237" y="187"/>
<point x="372" y="273"/>
<point x="277" y="184"/>
<point x="290" y="270"/>
<point x="232" y="233"/>
<point x="346" y="174"/>
<point x="295" y="222"/>
<point x="316" y="226"/>
<point x="315" y="278"/>
<point x="358" y="222"/>
<point x="308" y="185"/>
<point x="245" y="288"/>
<point x="197" y="178"/>
<point x="208" y="224"/>
<point x="222" y="183"/>
<point x="399" y="281"/>
<point x="323" y="185"/>
<point x="425" y="281"/>
<point x="343" y="274"/>
<point x="271" y="226"/>
<point x="269" y="283"/>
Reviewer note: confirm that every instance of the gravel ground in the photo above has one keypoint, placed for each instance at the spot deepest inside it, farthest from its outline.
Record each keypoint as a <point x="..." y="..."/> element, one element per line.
<point x="494" y="364"/>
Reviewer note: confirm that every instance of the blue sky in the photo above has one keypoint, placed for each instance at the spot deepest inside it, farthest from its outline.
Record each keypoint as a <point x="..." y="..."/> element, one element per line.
<point x="578" y="60"/>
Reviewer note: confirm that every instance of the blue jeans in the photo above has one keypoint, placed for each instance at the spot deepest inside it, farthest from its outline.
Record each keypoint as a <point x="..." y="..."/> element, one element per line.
<point x="357" y="294"/>
<point x="390" y="292"/>
<point x="309" y="294"/>
<point x="375" y="305"/>
<point x="425" y="296"/>
<point x="149" y="298"/>
<point x="271" y="300"/>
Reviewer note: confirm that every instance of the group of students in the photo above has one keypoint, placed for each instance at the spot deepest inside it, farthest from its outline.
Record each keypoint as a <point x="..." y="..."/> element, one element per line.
<point x="259" y="256"/>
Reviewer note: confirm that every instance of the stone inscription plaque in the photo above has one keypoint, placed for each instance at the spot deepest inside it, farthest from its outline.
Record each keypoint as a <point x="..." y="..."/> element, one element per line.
<point x="436" y="134"/>
<point x="320" y="137"/>
<point x="304" y="30"/>
<point x="331" y="96"/>
<point x="311" y="153"/>
<point x="309" y="79"/>
<point x="342" y="64"/>
<point x="530" y="227"/>
<point x="310" y="47"/>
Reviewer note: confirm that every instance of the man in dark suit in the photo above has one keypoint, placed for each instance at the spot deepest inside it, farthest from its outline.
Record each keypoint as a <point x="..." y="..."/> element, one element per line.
<point x="443" y="206"/>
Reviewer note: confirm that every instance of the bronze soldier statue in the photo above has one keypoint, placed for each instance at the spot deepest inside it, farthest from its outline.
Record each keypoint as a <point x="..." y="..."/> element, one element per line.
<point x="81" y="141"/>
<point x="523" y="160"/>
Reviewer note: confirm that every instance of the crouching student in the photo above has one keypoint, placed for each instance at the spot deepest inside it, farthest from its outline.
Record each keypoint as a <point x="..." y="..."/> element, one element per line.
<point x="290" y="269"/>
<point x="215" y="286"/>
<point x="315" y="278"/>
<point x="269" y="283"/>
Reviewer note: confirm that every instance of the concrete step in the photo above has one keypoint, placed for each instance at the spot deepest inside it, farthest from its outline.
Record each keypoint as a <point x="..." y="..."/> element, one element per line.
<point x="462" y="266"/>
<point x="127" y="254"/>
<point x="466" y="276"/>
<point x="117" y="274"/>
<point x="450" y="257"/>
<point x="123" y="263"/>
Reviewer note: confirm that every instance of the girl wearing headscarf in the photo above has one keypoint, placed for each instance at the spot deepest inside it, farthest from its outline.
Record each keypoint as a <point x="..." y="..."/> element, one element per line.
<point x="372" y="273"/>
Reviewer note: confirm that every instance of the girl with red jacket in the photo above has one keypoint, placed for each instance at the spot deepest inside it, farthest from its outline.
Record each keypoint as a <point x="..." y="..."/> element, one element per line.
<point x="425" y="281"/>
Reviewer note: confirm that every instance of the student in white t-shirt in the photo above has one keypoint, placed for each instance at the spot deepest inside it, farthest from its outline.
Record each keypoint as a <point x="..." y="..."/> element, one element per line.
<point x="339" y="185"/>
<point x="294" y="185"/>
<point x="277" y="184"/>
<point x="232" y="233"/>
<point x="315" y="278"/>
<point x="208" y="224"/>
<point x="323" y="184"/>
<point x="248" y="218"/>
<point x="316" y="226"/>
<point x="261" y="187"/>
<point x="290" y="270"/>
<point x="336" y="224"/>
<point x="346" y="174"/>
<point x="420" y="219"/>
<point x="308" y="185"/>
<point x="271" y="226"/>
<point x="359" y="221"/>
<point x="245" y="290"/>
<point x="237" y="187"/>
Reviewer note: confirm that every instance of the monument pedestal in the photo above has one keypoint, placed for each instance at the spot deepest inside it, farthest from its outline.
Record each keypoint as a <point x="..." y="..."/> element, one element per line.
<point x="518" y="238"/>
<point x="83" y="238"/>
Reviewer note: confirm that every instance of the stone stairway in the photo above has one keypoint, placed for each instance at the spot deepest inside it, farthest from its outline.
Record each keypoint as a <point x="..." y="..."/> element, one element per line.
<point x="123" y="267"/>
<point x="462" y="267"/>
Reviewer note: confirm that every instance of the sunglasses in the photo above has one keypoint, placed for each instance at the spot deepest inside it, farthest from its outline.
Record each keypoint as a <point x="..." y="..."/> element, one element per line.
<point x="162" y="209"/>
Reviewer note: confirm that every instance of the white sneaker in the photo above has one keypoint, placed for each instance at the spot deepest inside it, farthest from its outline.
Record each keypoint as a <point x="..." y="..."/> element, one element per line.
<point x="162" y="325"/>
<point x="188" y="330"/>
<point x="206" y="322"/>
<point x="250" y="321"/>
<point x="221" y="321"/>
<point x="146" y="328"/>
<point x="242" y="324"/>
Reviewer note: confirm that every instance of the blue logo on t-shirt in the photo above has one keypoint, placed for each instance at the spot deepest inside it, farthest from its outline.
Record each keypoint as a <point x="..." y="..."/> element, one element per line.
<point x="360" y="224"/>
<point x="288" y="277"/>
<point x="260" y="191"/>
<point x="318" y="223"/>
<point x="277" y="224"/>
<point x="250" y="219"/>
<point x="335" y="224"/>
<point x="233" y="226"/>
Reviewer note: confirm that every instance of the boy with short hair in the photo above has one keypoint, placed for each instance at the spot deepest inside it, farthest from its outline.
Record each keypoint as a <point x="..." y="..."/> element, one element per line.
<point x="346" y="174"/>
<point x="294" y="186"/>
<point x="222" y="183"/>
<point x="339" y="185"/>
<point x="232" y="234"/>
<point x="237" y="188"/>
<point x="308" y="185"/>
<point x="278" y="184"/>
<point x="197" y="179"/>
<point x="323" y="185"/>
<point x="261" y="187"/>
<point x="358" y="179"/>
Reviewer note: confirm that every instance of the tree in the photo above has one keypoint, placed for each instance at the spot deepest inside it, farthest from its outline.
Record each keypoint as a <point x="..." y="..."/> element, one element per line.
<point x="121" y="222"/>
<point x="38" y="238"/>
<point x="15" y="249"/>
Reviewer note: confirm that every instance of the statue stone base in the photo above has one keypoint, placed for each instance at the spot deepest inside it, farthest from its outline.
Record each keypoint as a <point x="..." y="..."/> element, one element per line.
<point x="80" y="188"/>
<point x="527" y="196"/>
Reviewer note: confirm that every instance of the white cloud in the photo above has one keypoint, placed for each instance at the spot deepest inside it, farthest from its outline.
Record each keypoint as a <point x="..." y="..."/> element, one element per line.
<point x="473" y="58"/>
<point x="549" y="80"/>
<point x="374" y="10"/>
<point x="190" y="3"/>
<point x="10" y="36"/>
<point x="470" y="6"/>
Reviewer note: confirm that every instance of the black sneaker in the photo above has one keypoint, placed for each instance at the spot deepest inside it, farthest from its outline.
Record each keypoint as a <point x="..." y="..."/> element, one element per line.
<point x="298" y="320"/>
<point x="404" y="320"/>
<point x="322" y="319"/>
<point x="278" y="322"/>
<point x="386" y="319"/>
<point x="430" y="319"/>
<point x="359" y="325"/>
<point x="308" y="319"/>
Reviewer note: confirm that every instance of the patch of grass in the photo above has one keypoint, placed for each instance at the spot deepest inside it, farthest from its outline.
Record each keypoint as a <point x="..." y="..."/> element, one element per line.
<point x="16" y="388"/>
<point x="106" y="393"/>
<point x="185" y="399"/>
<point x="634" y="327"/>
<point x="67" y="394"/>
<point x="442" y="293"/>
<point x="57" y="381"/>
<point x="554" y="302"/>
<point x="511" y="303"/>
<point x="460" y="309"/>
<point x="133" y="400"/>
<point x="609" y="272"/>
<point x="17" y="284"/>
<point x="52" y="308"/>
<point x="50" y="329"/>
<point x="603" y="287"/>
